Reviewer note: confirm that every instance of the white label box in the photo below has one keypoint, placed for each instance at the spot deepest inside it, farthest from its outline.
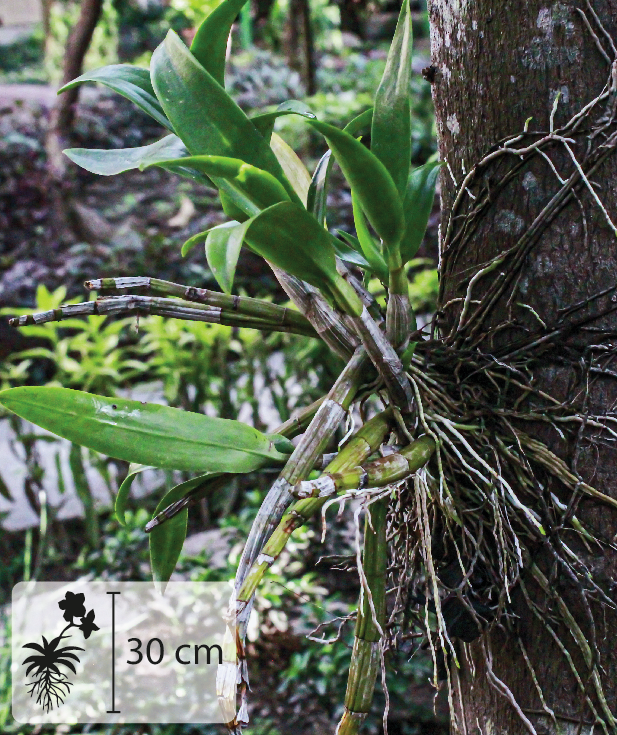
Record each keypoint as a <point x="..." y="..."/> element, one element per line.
<point x="120" y="652"/>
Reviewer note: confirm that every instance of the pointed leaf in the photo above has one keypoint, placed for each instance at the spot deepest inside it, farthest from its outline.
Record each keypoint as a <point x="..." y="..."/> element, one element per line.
<point x="391" y="129"/>
<point x="295" y="171"/>
<point x="209" y="45"/>
<point x="419" y="201"/>
<point x="192" y="241"/>
<point x="348" y="249"/>
<point x="367" y="244"/>
<point x="118" y="160"/>
<point x="255" y="188"/>
<point x="69" y="655"/>
<point x="200" y="237"/>
<point x="166" y="540"/>
<point x="166" y="543"/>
<point x="362" y="120"/>
<point x="291" y="238"/>
<point x="265" y="122"/>
<point x="370" y="181"/>
<point x="129" y="81"/>
<point x="318" y="192"/>
<point x="36" y="647"/>
<point x="203" y="114"/>
<point x="124" y="491"/>
<point x="223" y="246"/>
<point x="145" y="432"/>
<point x="32" y="666"/>
<point x="67" y="663"/>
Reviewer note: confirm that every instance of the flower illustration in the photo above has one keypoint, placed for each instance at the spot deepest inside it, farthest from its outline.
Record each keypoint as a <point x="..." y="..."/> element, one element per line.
<point x="87" y="625"/>
<point x="73" y="606"/>
<point x="51" y="685"/>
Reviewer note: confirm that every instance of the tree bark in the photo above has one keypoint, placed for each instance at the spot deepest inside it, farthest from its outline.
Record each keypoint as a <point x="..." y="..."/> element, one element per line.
<point x="300" y="44"/>
<point x="76" y="47"/>
<point x="62" y="115"/>
<point x="496" y="63"/>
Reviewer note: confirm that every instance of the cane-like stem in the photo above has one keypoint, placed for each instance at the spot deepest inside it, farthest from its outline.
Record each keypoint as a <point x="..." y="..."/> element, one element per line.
<point x="279" y="497"/>
<point x="302" y="460"/>
<point x="326" y="322"/>
<point x="388" y="363"/>
<point x="173" y="308"/>
<point x="383" y="471"/>
<point x="357" y="449"/>
<point x="240" y="304"/>
<point x="400" y="319"/>
<point x="366" y="654"/>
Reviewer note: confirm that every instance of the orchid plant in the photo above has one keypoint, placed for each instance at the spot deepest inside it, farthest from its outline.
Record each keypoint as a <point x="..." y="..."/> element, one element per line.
<point x="278" y="210"/>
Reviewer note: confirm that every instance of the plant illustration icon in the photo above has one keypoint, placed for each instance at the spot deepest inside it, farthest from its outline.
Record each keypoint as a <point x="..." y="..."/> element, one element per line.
<point x="51" y="684"/>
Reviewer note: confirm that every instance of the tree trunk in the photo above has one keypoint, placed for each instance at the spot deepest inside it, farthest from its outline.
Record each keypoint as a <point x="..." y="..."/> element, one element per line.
<point x="62" y="114"/>
<point x="300" y="44"/>
<point x="76" y="47"/>
<point x="497" y="63"/>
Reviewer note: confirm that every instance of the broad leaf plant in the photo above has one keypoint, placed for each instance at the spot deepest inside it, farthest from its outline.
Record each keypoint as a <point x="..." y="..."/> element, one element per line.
<point x="277" y="210"/>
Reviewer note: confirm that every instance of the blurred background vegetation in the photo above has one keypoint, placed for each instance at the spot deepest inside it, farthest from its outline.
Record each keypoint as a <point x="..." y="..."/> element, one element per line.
<point x="56" y="230"/>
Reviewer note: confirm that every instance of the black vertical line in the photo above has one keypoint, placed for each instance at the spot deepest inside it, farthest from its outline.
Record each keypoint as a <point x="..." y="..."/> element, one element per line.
<point x="113" y="709"/>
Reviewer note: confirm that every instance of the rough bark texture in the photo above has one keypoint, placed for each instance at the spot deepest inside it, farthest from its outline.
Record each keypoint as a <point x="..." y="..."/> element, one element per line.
<point x="61" y="119"/>
<point x="498" y="63"/>
<point x="62" y="114"/>
<point x="76" y="47"/>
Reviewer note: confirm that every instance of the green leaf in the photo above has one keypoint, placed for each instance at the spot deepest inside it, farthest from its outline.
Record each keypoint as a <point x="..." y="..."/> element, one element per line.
<point x="293" y="168"/>
<point x="167" y="539"/>
<point x="223" y="246"/>
<point x="192" y="241"/>
<point x="370" y="250"/>
<point x="348" y="249"/>
<point x="209" y="45"/>
<point x="318" y="191"/>
<point x="203" y="114"/>
<point x="265" y="122"/>
<point x="419" y="200"/>
<point x="118" y="160"/>
<point x="288" y="236"/>
<point x="166" y="542"/>
<point x="362" y="120"/>
<point x="370" y="181"/>
<point x="407" y="356"/>
<point x="252" y="188"/>
<point x="84" y="493"/>
<point x="124" y="491"/>
<point x="391" y="129"/>
<point x="129" y="81"/>
<point x="231" y="208"/>
<point x="145" y="433"/>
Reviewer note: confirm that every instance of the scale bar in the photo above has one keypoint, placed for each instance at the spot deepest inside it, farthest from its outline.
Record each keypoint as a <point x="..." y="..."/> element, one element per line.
<point x="113" y="710"/>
